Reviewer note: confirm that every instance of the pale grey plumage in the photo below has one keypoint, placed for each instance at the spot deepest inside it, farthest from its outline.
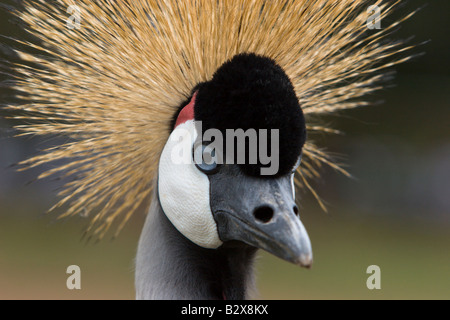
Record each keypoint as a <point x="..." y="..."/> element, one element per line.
<point x="169" y="266"/>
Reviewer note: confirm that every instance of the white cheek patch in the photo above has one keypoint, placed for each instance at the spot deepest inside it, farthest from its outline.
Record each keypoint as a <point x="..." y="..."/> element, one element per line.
<point x="184" y="191"/>
<point x="293" y="185"/>
<point x="299" y="161"/>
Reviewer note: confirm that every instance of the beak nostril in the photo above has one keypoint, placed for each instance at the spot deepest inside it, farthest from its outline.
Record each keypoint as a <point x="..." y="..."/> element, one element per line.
<point x="297" y="213"/>
<point x="264" y="214"/>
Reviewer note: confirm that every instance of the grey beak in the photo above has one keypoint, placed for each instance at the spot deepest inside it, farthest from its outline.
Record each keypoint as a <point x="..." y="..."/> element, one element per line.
<point x="260" y="212"/>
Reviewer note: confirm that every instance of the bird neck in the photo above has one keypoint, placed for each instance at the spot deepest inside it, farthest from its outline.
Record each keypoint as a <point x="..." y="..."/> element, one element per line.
<point x="169" y="266"/>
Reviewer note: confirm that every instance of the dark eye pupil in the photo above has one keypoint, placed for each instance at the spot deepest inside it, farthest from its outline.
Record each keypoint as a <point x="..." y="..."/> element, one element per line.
<point x="205" y="158"/>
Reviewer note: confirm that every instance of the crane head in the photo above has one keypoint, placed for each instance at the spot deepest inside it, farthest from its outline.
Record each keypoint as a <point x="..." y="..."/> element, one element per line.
<point x="227" y="170"/>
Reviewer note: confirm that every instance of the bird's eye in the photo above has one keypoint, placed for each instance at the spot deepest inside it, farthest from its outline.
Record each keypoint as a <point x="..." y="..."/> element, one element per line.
<point x="206" y="158"/>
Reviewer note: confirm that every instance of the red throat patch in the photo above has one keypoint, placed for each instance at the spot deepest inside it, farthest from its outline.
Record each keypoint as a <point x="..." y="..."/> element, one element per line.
<point x="187" y="113"/>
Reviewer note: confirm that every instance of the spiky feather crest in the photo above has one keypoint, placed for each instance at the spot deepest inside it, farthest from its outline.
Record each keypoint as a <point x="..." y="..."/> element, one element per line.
<point x="114" y="84"/>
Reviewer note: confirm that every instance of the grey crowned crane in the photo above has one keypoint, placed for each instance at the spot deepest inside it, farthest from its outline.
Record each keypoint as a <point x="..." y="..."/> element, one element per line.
<point x="207" y="219"/>
<point x="128" y="83"/>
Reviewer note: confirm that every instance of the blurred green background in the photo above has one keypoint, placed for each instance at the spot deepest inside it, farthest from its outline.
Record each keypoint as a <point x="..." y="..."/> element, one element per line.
<point x="395" y="213"/>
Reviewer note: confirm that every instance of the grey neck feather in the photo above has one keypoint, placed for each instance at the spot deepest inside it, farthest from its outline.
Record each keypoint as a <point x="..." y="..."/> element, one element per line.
<point x="169" y="266"/>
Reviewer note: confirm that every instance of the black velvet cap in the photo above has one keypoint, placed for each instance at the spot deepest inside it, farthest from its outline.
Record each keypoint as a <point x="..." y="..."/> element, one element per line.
<point x="251" y="91"/>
